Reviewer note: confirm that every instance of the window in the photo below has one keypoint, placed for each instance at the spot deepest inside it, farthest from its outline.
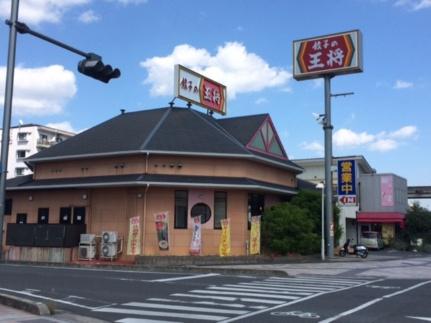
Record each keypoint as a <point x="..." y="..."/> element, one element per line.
<point x="8" y="207"/>
<point x="22" y="136"/>
<point x="266" y="140"/>
<point x="256" y="205"/>
<point x="43" y="215"/>
<point x="21" y="218"/>
<point x="202" y="210"/>
<point x="181" y="206"/>
<point x="20" y="154"/>
<point x="79" y="215"/>
<point x="20" y="171"/>
<point x="65" y="215"/>
<point x="219" y="208"/>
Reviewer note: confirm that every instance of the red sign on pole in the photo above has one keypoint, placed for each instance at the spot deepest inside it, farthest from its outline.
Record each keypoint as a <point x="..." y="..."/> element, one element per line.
<point x="327" y="55"/>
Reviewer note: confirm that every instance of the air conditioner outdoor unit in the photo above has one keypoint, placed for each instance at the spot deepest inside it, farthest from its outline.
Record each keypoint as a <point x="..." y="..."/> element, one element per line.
<point x="109" y="237"/>
<point x="109" y="250"/>
<point x="87" y="252"/>
<point x="87" y="238"/>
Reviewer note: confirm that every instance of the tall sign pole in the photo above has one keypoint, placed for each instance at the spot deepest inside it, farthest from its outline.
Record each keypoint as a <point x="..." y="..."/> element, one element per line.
<point x="7" y="114"/>
<point x="327" y="128"/>
<point x="325" y="57"/>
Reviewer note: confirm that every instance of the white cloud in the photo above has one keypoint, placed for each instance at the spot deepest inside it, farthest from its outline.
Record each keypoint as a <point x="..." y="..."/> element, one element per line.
<point x="37" y="11"/>
<point x="404" y="132"/>
<point x="347" y="138"/>
<point x="382" y="141"/>
<point x="414" y="5"/>
<point x="314" y="146"/>
<point x="232" y="65"/>
<point x="40" y="91"/>
<point x="65" y="125"/>
<point x="383" y="145"/>
<point x="399" y="84"/>
<point x="261" y="101"/>
<point x="88" y="17"/>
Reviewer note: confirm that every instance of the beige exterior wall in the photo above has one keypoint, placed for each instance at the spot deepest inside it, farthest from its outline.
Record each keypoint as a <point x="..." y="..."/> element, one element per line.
<point x="172" y="165"/>
<point x="110" y="209"/>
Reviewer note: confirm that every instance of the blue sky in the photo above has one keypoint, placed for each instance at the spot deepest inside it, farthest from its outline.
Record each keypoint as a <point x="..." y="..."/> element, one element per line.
<point x="247" y="45"/>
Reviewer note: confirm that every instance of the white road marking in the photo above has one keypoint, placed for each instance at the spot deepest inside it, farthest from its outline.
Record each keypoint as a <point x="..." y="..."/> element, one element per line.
<point x="281" y="287"/>
<point x="305" y="283"/>
<point x="298" y="286"/>
<point x="266" y="289"/>
<point x="162" y="314"/>
<point x="184" y="277"/>
<point x="428" y="319"/>
<point x="317" y="279"/>
<point x="131" y="320"/>
<point x="221" y="298"/>
<point x="185" y="308"/>
<point x="374" y="301"/>
<point x="263" y="301"/>
<point x="199" y="291"/>
<point x="257" y="290"/>
<point x="167" y="300"/>
<point x="47" y="298"/>
<point x="296" y="301"/>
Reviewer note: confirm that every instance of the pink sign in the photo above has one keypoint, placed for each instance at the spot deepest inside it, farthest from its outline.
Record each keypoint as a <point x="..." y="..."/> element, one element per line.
<point x="387" y="190"/>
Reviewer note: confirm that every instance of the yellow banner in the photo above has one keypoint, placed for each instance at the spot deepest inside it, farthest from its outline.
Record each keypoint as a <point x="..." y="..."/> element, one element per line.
<point x="134" y="241"/>
<point x="255" y="235"/>
<point x="224" y="248"/>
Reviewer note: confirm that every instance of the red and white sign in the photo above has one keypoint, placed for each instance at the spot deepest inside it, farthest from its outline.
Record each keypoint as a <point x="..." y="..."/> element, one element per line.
<point x="198" y="89"/>
<point x="347" y="200"/>
<point x="327" y="55"/>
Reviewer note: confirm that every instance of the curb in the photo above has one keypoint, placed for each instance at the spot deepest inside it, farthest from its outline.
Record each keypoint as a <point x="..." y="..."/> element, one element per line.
<point x="26" y="305"/>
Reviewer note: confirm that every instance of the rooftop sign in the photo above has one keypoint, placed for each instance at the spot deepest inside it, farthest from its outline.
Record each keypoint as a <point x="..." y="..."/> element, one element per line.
<point x="327" y="55"/>
<point x="198" y="89"/>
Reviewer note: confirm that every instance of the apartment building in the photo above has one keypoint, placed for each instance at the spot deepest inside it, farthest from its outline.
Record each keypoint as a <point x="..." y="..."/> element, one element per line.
<point x="28" y="139"/>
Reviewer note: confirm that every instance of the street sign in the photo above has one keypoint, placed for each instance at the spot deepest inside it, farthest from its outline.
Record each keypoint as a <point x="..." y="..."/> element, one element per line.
<point x="333" y="54"/>
<point x="347" y="200"/>
<point x="198" y="89"/>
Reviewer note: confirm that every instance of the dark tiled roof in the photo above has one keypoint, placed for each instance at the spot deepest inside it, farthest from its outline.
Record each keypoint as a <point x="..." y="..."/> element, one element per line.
<point x="243" y="128"/>
<point x="26" y="182"/>
<point x="164" y="130"/>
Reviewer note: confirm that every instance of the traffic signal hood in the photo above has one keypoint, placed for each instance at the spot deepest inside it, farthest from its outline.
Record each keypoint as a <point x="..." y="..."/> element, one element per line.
<point x="94" y="67"/>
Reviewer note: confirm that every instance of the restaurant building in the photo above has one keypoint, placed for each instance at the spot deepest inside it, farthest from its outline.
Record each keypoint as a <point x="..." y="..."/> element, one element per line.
<point x="172" y="161"/>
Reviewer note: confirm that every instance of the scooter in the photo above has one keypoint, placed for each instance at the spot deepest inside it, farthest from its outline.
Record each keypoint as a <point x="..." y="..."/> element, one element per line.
<point x="358" y="250"/>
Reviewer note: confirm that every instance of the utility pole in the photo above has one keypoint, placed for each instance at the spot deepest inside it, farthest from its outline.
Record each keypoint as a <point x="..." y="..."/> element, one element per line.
<point x="7" y="112"/>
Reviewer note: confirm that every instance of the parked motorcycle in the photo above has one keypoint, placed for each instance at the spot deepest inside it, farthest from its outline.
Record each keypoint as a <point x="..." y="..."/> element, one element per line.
<point x="358" y="250"/>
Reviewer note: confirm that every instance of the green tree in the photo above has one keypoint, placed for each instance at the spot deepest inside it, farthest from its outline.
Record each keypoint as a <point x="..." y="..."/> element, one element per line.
<point x="418" y="223"/>
<point x="287" y="228"/>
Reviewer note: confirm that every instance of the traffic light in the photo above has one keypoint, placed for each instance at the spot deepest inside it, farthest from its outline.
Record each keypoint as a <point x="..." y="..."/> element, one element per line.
<point x="93" y="66"/>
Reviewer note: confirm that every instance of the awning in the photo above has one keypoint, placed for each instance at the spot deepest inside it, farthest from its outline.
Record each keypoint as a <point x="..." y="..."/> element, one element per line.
<point x="381" y="217"/>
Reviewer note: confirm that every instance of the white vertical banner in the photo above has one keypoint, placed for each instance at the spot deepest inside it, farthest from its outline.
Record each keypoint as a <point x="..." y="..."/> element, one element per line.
<point x="196" y="243"/>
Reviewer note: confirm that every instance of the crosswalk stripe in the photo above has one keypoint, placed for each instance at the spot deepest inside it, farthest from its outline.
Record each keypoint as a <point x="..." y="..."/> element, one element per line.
<point x="184" y="277"/>
<point x="221" y="298"/>
<point x="263" y="301"/>
<point x="305" y="284"/>
<point x="199" y="291"/>
<point x="244" y="289"/>
<point x="319" y="280"/>
<point x="167" y="300"/>
<point x="268" y="289"/>
<point x="162" y="314"/>
<point x="134" y="320"/>
<point x="185" y="308"/>
<point x="277" y="287"/>
<point x="298" y="287"/>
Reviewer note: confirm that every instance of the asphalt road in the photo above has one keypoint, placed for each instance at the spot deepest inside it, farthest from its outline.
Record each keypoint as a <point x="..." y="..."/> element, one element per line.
<point x="138" y="297"/>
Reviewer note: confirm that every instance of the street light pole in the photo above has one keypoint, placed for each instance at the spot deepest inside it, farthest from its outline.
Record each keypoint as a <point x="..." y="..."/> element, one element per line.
<point x="327" y="127"/>
<point x="7" y="112"/>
